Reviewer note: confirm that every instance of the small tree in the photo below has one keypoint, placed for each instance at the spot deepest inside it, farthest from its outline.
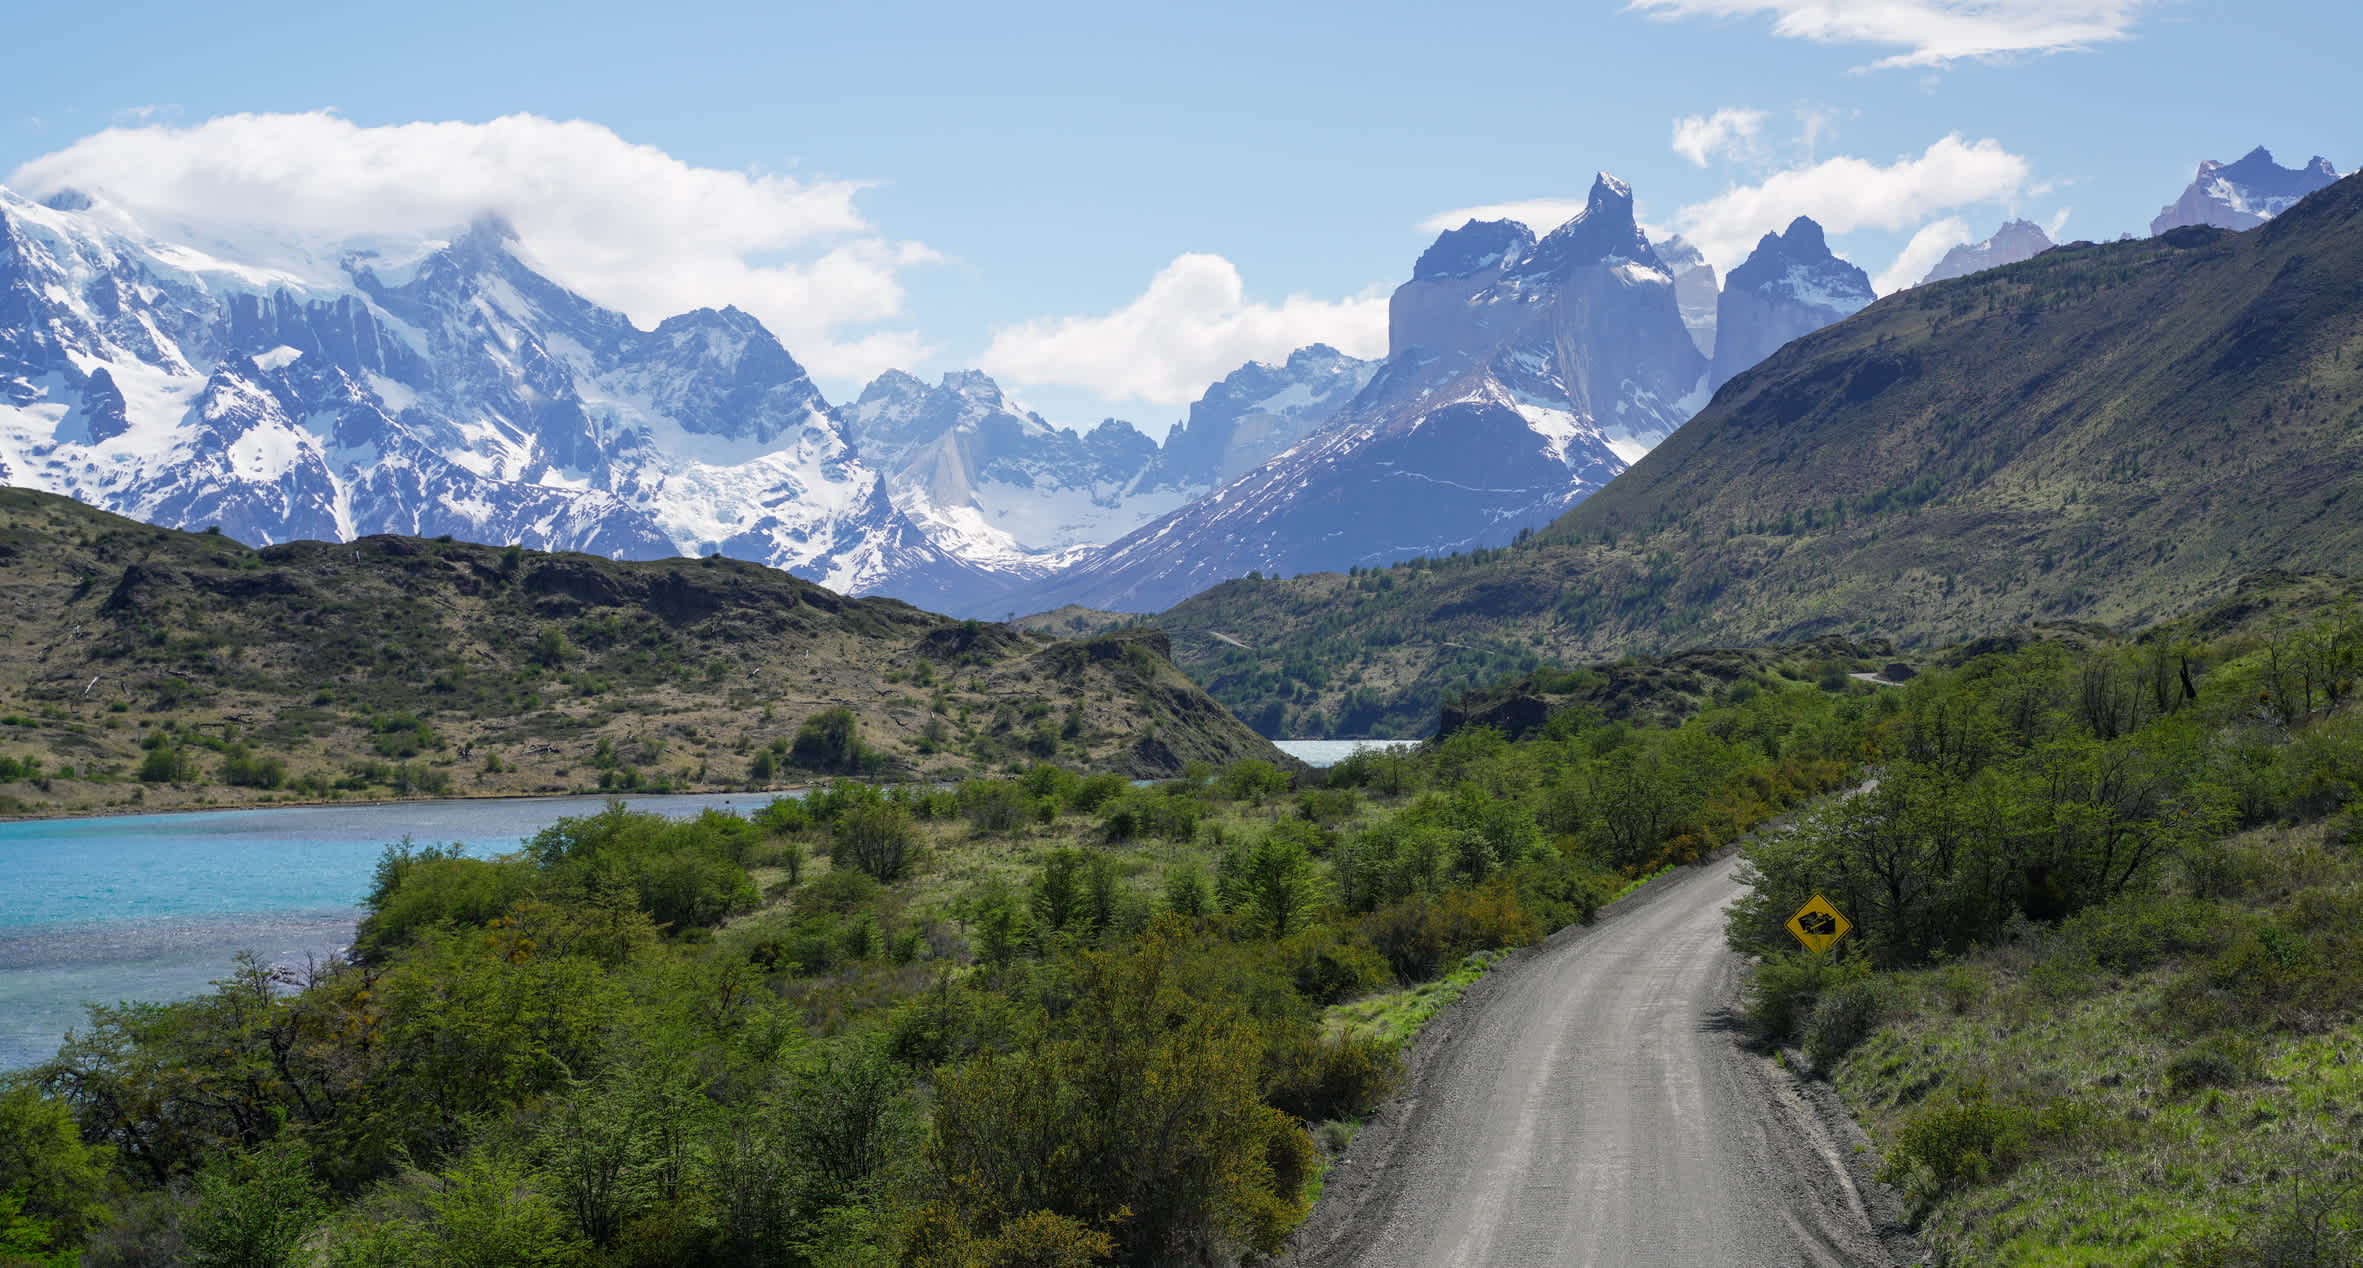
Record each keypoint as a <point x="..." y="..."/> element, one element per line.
<point x="876" y="837"/>
<point x="252" y="1210"/>
<point x="829" y="740"/>
<point x="1274" y="883"/>
<point x="167" y="763"/>
<point x="550" y="650"/>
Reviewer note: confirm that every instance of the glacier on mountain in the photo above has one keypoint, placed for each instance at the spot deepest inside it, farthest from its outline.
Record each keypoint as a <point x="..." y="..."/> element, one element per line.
<point x="422" y="388"/>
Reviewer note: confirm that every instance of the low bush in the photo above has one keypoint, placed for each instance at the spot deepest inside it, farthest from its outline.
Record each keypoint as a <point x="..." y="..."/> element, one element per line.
<point x="2218" y="1061"/>
<point x="2143" y="931"/>
<point x="1323" y="1077"/>
<point x="1328" y="969"/>
<point x="1945" y="1147"/>
<point x="1419" y="935"/>
<point x="1788" y="987"/>
<point x="1845" y="1014"/>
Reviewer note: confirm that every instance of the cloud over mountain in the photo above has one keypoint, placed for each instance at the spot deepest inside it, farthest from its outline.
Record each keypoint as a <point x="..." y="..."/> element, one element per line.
<point x="627" y="225"/>
<point x="1193" y="325"/>
<point x="1848" y="193"/>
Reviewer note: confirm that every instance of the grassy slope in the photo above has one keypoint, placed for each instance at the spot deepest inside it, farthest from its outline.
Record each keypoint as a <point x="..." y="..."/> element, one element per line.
<point x="2106" y="433"/>
<point x="2155" y="1163"/>
<point x="111" y="631"/>
<point x="2176" y="1075"/>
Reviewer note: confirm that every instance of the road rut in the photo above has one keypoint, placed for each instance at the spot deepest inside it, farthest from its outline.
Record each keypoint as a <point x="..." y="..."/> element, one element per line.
<point x="1593" y="1103"/>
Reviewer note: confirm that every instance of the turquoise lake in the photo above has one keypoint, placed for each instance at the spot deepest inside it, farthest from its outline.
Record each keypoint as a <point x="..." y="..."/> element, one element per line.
<point x="153" y="907"/>
<point x="1327" y="753"/>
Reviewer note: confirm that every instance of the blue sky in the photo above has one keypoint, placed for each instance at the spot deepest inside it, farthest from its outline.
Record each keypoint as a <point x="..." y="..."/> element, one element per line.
<point x="1107" y="205"/>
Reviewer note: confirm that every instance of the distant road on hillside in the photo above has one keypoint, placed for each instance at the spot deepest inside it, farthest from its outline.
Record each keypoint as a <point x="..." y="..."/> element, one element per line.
<point x="1595" y="1103"/>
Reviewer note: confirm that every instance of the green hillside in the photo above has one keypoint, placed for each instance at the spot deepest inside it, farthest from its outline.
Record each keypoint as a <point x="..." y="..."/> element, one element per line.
<point x="2111" y="434"/>
<point x="141" y="667"/>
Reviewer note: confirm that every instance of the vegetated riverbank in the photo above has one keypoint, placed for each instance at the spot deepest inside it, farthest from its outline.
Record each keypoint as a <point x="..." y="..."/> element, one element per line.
<point x="941" y="1024"/>
<point x="2104" y="998"/>
<point x="199" y="805"/>
<point x="154" y="907"/>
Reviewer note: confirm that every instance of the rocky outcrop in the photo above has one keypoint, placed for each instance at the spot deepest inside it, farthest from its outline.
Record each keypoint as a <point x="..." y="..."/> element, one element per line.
<point x="1695" y="290"/>
<point x="1522" y="374"/>
<point x="2243" y="194"/>
<point x="2016" y="240"/>
<point x="1257" y="412"/>
<point x="1789" y="286"/>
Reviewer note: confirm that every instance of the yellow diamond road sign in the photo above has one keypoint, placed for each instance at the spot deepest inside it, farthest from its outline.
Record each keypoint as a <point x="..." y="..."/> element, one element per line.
<point x="1817" y="924"/>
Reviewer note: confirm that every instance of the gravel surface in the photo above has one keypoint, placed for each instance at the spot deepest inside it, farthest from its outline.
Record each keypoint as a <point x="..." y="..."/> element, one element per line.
<point x="1595" y="1101"/>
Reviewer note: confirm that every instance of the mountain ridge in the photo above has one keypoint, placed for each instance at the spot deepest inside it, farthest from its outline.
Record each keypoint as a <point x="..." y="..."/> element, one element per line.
<point x="1522" y="373"/>
<point x="392" y="665"/>
<point x="2105" y="433"/>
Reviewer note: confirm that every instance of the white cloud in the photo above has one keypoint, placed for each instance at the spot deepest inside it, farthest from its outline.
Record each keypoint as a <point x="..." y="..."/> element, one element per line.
<point x="626" y="225"/>
<point x="2058" y="221"/>
<point x="1921" y="254"/>
<point x="1931" y="32"/>
<point x="1192" y="325"/>
<point x="1845" y="194"/>
<point x="1731" y="130"/>
<point x="1539" y="214"/>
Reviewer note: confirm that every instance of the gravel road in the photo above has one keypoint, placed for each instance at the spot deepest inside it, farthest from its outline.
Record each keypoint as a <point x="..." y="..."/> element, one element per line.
<point x="1593" y="1102"/>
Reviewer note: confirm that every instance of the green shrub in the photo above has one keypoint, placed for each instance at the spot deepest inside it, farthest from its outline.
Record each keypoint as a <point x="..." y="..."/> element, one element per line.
<point x="1845" y="1014"/>
<point x="1095" y="791"/>
<point x="997" y="805"/>
<point x="1150" y="813"/>
<point x="1326" y="806"/>
<point x="419" y="887"/>
<point x="876" y="837"/>
<point x="1328" y="969"/>
<point x="1945" y="1147"/>
<point x="830" y="740"/>
<point x="1786" y="988"/>
<point x="1418" y="935"/>
<point x="2218" y="1061"/>
<point x="241" y="768"/>
<point x="253" y="1210"/>
<point x="2142" y="931"/>
<point x="166" y="763"/>
<point x="1320" y="1077"/>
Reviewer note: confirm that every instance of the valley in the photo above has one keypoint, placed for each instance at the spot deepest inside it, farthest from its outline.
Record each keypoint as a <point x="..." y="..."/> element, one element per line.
<point x="2001" y="598"/>
<point x="2107" y="433"/>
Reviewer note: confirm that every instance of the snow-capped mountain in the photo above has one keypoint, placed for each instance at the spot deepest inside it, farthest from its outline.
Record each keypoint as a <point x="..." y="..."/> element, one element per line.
<point x="1258" y="411"/>
<point x="2016" y="240"/>
<point x="995" y="484"/>
<point x="1695" y="290"/>
<point x="1521" y="375"/>
<point x="991" y="482"/>
<point x="2244" y="194"/>
<point x="1790" y="285"/>
<point x="429" y="388"/>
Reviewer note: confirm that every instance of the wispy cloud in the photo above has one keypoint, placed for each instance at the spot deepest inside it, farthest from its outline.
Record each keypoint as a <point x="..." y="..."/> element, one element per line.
<point x="1700" y="137"/>
<point x="1539" y="214"/>
<point x="1930" y="32"/>
<point x="1921" y="254"/>
<point x="627" y="225"/>
<point x="1192" y="325"/>
<point x="1844" y="194"/>
<point x="132" y="115"/>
